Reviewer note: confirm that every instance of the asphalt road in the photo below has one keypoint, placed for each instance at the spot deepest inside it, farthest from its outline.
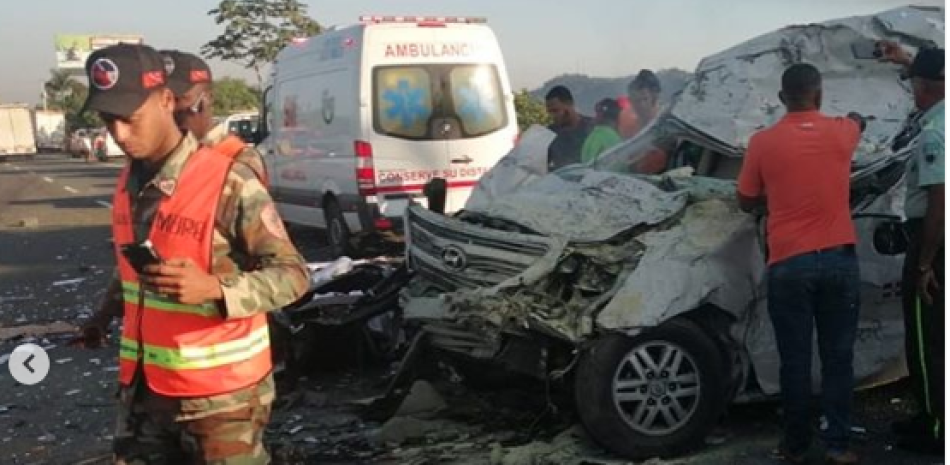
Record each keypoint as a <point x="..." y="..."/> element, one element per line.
<point x="55" y="259"/>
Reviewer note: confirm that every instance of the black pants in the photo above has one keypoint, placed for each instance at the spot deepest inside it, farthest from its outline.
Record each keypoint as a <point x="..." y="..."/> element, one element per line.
<point x="924" y="333"/>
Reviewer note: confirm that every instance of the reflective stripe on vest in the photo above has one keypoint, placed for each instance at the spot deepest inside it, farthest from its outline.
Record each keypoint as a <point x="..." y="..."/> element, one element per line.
<point x="192" y="358"/>
<point x="156" y="301"/>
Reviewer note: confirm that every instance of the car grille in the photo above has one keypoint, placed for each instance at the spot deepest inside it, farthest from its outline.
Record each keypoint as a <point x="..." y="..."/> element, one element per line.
<point x="454" y="255"/>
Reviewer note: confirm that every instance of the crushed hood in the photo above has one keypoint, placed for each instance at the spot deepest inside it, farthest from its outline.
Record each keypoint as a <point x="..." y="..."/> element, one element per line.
<point x="579" y="204"/>
<point x="587" y="205"/>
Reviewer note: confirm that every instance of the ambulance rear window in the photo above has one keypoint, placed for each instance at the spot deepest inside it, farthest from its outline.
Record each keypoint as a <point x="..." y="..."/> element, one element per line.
<point x="438" y="102"/>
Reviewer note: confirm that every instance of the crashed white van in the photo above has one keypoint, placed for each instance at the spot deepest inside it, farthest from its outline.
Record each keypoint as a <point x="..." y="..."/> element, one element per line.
<point x="648" y="291"/>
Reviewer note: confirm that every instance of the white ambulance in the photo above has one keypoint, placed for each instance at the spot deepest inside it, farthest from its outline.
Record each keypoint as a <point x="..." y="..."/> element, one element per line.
<point x="358" y="119"/>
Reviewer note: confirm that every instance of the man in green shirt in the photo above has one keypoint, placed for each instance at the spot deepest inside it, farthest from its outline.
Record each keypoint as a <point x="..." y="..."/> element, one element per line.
<point x="604" y="135"/>
<point x="923" y="282"/>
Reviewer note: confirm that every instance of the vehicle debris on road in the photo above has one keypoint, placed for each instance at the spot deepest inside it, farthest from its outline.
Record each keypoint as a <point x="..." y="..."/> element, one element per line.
<point x="36" y="330"/>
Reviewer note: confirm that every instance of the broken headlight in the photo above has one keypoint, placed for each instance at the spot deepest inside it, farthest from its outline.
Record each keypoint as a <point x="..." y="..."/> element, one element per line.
<point x="569" y="265"/>
<point x="595" y="279"/>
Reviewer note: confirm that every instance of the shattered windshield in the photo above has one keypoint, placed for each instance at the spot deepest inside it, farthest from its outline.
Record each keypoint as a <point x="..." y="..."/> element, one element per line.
<point x="650" y="152"/>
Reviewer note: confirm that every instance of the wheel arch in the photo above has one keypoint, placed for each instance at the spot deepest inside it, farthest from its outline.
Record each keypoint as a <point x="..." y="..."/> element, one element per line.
<point x="327" y="197"/>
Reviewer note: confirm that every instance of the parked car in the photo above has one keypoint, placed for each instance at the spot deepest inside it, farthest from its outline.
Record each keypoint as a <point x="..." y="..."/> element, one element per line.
<point x="646" y="292"/>
<point x="80" y="143"/>
<point x="84" y="142"/>
<point x="243" y="125"/>
<point x="109" y="148"/>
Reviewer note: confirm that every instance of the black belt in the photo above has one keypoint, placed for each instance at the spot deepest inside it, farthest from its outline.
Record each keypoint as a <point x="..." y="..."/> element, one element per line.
<point x="844" y="248"/>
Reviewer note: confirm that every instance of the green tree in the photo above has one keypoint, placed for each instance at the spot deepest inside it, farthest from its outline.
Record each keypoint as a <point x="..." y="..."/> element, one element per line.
<point x="232" y="95"/>
<point x="66" y="94"/>
<point x="530" y="110"/>
<point x="256" y="30"/>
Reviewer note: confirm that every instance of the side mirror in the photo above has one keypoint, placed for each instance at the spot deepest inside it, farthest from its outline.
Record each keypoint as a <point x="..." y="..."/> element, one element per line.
<point x="890" y="238"/>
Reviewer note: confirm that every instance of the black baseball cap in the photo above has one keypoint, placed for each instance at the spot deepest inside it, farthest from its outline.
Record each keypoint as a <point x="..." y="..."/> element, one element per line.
<point x="928" y="64"/>
<point x="184" y="70"/>
<point x="608" y="108"/>
<point x="121" y="77"/>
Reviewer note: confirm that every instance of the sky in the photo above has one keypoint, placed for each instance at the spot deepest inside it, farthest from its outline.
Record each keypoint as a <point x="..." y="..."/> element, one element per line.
<point x="539" y="38"/>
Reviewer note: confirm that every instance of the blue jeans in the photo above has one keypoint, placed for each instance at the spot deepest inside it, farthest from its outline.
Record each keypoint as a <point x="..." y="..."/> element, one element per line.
<point x="816" y="291"/>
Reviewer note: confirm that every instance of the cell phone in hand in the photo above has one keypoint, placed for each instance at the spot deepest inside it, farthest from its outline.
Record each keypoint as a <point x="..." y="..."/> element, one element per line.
<point x="866" y="50"/>
<point x="141" y="255"/>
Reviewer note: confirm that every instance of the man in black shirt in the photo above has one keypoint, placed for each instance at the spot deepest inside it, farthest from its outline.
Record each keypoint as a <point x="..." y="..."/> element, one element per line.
<point x="570" y="126"/>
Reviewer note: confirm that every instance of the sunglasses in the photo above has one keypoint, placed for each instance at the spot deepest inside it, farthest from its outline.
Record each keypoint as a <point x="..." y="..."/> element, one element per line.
<point x="198" y="106"/>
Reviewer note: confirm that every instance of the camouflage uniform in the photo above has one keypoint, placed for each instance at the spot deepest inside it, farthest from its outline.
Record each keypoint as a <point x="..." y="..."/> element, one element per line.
<point x="249" y="156"/>
<point x="260" y="270"/>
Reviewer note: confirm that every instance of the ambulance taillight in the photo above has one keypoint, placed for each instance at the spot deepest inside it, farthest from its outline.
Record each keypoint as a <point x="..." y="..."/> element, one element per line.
<point x="365" y="171"/>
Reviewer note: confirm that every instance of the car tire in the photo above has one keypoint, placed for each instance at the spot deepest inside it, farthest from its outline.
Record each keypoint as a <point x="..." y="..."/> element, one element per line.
<point x="337" y="232"/>
<point x="673" y="384"/>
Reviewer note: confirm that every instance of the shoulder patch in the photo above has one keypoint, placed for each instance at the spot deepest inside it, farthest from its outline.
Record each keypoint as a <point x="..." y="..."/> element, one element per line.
<point x="930" y="151"/>
<point x="167" y="186"/>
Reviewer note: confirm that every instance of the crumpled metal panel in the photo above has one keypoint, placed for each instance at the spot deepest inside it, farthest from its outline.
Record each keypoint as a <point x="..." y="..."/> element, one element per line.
<point x="591" y="206"/>
<point x="878" y="348"/>
<point x="526" y="163"/>
<point x="580" y="205"/>
<point x="711" y="256"/>
<point x="735" y="93"/>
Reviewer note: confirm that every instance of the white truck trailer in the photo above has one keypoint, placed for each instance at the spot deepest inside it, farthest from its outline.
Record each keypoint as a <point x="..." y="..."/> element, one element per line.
<point x="16" y="132"/>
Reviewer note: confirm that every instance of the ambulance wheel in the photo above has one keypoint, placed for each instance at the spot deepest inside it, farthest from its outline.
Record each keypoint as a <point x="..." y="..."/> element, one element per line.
<point x="338" y="233"/>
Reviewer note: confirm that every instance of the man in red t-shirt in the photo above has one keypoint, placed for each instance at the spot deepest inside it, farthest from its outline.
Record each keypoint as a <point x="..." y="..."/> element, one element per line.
<point x="800" y="169"/>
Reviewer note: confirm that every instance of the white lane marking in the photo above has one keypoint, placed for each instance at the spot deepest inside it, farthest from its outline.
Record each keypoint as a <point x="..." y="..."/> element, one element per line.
<point x="47" y="179"/>
<point x="104" y="204"/>
<point x="16" y="167"/>
<point x="70" y="189"/>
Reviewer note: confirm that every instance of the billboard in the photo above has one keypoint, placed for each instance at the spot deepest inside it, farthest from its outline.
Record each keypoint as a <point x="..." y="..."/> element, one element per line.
<point x="73" y="49"/>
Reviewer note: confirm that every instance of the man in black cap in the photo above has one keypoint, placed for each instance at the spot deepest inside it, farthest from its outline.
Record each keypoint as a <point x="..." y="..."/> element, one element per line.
<point x="202" y="257"/>
<point x="923" y="281"/>
<point x="189" y="77"/>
